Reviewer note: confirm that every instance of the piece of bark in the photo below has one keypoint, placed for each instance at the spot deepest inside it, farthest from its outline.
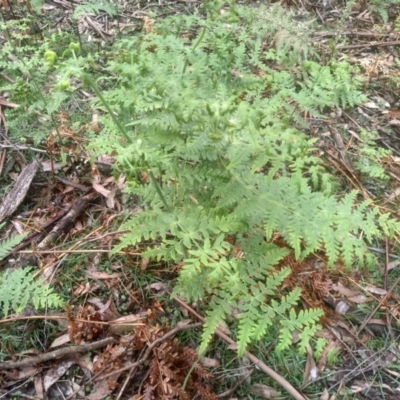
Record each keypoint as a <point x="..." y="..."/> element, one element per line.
<point x="66" y="223"/>
<point x="19" y="191"/>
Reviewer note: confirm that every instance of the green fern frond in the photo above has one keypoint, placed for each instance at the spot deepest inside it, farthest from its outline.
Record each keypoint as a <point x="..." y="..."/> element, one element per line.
<point x="215" y="316"/>
<point x="8" y="244"/>
<point x="94" y="7"/>
<point x="18" y="288"/>
<point x="230" y="168"/>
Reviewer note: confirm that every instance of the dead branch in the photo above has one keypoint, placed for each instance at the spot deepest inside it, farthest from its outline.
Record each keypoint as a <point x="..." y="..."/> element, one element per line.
<point x="55" y="317"/>
<point x="53" y="355"/>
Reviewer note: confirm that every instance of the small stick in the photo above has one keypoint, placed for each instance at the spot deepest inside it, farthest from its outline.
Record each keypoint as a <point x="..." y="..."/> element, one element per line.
<point x="20" y="147"/>
<point x="387" y="252"/>
<point x="341" y="148"/>
<point x="384" y="298"/>
<point x="328" y="33"/>
<point x="371" y="44"/>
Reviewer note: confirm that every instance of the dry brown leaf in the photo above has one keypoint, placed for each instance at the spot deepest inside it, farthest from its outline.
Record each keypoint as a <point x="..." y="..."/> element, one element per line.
<point x="159" y="287"/>
<point x="209" y="362"/>
<point x="144" y="263"/>
<point x="106" y="159"/>
<point x="376" y="290"/>
<point x="100" y="390"/>
<point x="311" y="370"/>
<point x="101" y="189"/>
<point x="102" y="307"/>
<point x="360" y="386"/>
<point x="60" y="340"/>
<point x="110" y="198"/>
<point x="55" y="373"/>
<point x="324" y="395"/>
<point x="370" y="104"/>
<point x="344" y="290"/>
<point x="47" y="166"/>
<point x="395" y="263"/>
<point x="263" y="391"/>
<point x="324" y="333"/>
<point x="29" y="352"/>
<point x="360" y="299"/>
<point x="377" y="321"/>
<point x="81" y="289"/>
<point x="20" y="228"/>
<point x="333" y="344"/>
<point x="39" y="387"/>
<point x="124" y="325"/>
<point x="342" y="307"/>
<point x="93" y="273"/>
<point x="224" y="328"/>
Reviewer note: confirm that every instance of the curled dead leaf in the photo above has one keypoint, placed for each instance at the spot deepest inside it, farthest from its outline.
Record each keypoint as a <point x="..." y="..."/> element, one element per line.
<point x="263" y="391"/>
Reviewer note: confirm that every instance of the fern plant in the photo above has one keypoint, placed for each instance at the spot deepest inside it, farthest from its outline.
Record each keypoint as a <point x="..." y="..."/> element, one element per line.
<point x="371" y="156"/>
<point x="204" y="125"/>
<point x="95" y="7"/>
<point x="19" y="288"/>
<point x="32" y="119"/>
<point x="382" y="8"/>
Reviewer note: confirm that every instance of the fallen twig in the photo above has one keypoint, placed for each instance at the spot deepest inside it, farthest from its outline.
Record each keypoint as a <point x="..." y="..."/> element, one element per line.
<point x="338" y="33"/>
<point x="384" y="298"/>
<point x="261" y="365"/>
<point x="64" y="225"/>
<point x="83" y="348"/>
<point x="21" y="147"/>
<point x="369" y="44"/>
<point x="341" y="148"/>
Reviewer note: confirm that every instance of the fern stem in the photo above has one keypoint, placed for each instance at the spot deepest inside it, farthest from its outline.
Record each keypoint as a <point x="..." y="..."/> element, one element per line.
<point x="159" y="191"/>
<point x="194" y="365"/>
<point x="121" y="128"/>
<point x="199" y="40"/>
<point x="95" y="88"/>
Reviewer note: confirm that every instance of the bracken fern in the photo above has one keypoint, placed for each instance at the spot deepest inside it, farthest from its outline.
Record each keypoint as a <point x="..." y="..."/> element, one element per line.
<point x="207" y="135"/>
<point x="19" y="288"/>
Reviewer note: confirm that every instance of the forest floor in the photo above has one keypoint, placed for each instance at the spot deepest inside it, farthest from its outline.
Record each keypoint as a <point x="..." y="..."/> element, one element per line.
<point x="120" y="334"/>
